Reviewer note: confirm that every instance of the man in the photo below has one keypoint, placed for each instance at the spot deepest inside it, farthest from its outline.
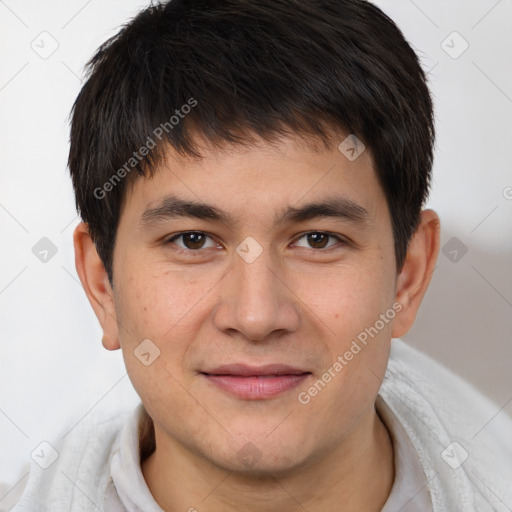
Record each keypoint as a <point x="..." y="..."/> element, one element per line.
<point x="251" y="177"/>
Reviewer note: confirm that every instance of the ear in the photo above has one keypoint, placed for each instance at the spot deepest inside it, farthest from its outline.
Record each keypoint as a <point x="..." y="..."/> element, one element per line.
<point x="414" y="278"/>
<point x="94" y="279"/>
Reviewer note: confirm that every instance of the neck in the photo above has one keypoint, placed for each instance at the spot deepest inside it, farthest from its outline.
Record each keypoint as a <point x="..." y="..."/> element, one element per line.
<point x="359" y="473"/>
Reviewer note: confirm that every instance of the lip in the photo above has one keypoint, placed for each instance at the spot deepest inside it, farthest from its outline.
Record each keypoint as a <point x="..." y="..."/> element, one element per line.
<point x="255" y="382"/>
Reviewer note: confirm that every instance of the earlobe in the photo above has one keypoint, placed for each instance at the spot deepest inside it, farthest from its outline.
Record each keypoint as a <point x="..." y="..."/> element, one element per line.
<point x="94" y="279"/>
<point x="415" y="276"/>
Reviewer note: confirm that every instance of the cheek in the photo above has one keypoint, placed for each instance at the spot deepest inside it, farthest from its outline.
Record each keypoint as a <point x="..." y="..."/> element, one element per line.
<point x="163" y="309"/>
<point x="167" y="308"/>
<point x="346" y="387"/>
<point x="348" y="299"/>
<point x="357" y="314"/>
<point x="158" y="304"/>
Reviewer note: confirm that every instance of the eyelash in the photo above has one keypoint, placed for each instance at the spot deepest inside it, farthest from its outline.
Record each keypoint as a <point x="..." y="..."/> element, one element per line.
<point x="192" y="251"/>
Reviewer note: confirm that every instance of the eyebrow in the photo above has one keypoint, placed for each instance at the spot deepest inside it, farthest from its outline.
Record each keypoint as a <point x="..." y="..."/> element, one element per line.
<point x="172" y="207"/>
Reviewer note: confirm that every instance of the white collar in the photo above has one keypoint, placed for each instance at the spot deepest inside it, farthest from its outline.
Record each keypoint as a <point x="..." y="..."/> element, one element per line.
<point x="127" y="479"/>
<point x="409" y="492"/>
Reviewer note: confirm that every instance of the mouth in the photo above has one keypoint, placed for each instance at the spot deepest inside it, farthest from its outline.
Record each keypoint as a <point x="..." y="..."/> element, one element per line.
<point x="255" y="382"/>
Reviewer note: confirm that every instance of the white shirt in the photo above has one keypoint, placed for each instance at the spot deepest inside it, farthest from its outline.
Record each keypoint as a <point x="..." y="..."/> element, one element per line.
<point x="409" y="492"/>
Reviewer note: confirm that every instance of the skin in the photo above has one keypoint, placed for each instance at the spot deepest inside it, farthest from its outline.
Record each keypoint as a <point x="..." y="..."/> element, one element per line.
<point x="298" y="303"/>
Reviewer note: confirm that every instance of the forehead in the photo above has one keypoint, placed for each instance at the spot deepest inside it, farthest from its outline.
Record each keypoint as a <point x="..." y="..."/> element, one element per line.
<point x="260" y="177"/>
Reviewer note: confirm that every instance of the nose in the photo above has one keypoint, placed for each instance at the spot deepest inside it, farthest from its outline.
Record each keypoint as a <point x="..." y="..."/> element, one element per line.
<point x="257" y="299"/>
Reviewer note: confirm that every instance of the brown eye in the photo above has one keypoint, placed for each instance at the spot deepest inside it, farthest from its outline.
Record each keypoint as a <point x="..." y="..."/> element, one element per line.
<point x="319" y="240"/>
<point x="191" y="240"/>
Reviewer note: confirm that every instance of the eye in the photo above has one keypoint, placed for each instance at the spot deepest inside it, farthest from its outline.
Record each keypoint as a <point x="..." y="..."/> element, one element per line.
<point x="192" y="240"/>
<point x="319" y="239"/>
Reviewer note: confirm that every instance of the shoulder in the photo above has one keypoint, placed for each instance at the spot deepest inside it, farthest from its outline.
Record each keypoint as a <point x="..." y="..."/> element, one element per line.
<point x="462" y="438"/>
<point x="73" y="472"/>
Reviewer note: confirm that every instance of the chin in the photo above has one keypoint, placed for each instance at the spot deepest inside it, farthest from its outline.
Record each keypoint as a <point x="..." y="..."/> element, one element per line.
<point x="262" y="459"/>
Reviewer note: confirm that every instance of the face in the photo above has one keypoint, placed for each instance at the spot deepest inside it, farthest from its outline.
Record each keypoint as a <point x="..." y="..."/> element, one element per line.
<point x="256" y="304"/>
